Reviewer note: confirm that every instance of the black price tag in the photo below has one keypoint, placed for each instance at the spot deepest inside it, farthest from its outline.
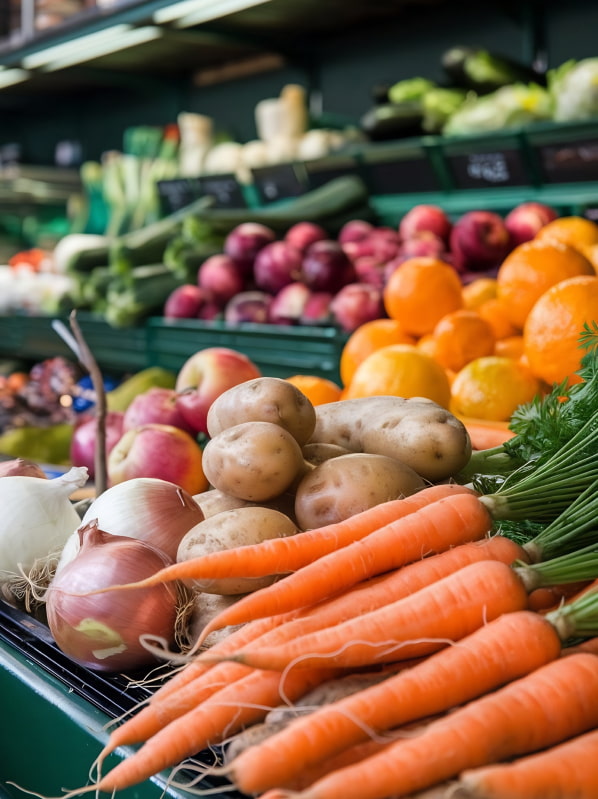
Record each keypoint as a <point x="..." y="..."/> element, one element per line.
<point x="570" y="162"/>
<point x="278" y="182"/>
<point x="400" y="176"/>
<point x="179" y="192"/>
<point x="495" y="168"/>
<point x="322" y="170"/>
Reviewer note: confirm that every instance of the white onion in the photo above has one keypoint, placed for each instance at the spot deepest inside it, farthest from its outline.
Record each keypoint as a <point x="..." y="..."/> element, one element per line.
<point x="146" y="508"/>
<point x="37" y="519"/>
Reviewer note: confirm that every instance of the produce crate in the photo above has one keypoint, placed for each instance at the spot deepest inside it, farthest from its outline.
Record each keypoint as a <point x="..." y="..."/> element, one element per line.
<point x="33" y="337"/>
<point x="278" y="350"/>
<point x="58" y="713"/>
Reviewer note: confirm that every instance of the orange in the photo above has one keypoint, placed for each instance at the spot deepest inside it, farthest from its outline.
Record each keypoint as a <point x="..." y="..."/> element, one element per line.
<point x="420" y="292"/>
<point x="578" y="231"/>
<point x="492" y="388"/>
<point x="478" y="291"/>
<point x="427" y="344"/>
<point x="591" y="253"/>
<point x="495" y="313"/>
<point x="460" y="337"/>
<point x="319" y="390"/>
<point x="400" y="370"/>
<point x="532" y="268"/>
<point x="365" y="339"/>
<point x="509" y="347"/>
<point x="553" y="327"/>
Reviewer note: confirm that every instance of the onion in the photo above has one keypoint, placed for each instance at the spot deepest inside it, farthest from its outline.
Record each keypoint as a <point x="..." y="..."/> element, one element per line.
<point x="146" y="508"/>
<point x="37" y="519"/>
<point x="103" y="631"/>
<point x="21" y="467"/>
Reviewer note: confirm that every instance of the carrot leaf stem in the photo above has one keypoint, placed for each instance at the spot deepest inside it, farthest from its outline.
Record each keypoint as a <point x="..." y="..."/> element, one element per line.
<point x="577" y="619"/>
<point x="570" y="568"/>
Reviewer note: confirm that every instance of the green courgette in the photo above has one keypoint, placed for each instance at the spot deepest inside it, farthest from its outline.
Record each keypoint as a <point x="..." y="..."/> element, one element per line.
<point x="130" y="299"/>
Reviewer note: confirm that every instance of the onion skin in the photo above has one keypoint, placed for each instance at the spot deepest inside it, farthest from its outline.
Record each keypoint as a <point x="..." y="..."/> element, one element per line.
<point x="21" y="467"/>
<point x="102" y="631"/>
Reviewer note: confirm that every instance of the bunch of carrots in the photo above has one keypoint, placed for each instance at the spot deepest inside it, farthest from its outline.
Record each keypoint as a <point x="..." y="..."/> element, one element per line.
<point x="475" y="656"/>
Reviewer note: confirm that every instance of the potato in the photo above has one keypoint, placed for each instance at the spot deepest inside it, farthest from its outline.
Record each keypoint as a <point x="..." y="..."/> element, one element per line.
<point x="214" y="501"/>
<point x="205" y="608"/>
<point x="343" y="486"/>
<point x="317" y="453"/>
<point x="256" y="461"/>
<point x="229" y="529"/>
<point x="264" y="399"/>
<point x="417" y="431"/>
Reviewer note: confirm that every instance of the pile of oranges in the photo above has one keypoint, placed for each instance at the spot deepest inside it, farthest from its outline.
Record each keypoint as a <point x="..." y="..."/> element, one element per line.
<point x="484" y="348"/>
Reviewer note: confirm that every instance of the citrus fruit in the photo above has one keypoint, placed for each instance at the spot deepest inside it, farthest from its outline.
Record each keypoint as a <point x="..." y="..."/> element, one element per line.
<point x="494" y="312"/>
<point x="400" y="370"/>
<point x="509" y="347"/>
<point x="478" y="291"/>
<point x="492" y="388"/>
<point x="460" y="337"/>
<point x="532" y="268"/>
<point x="420" y="292"/>
<point x="365" y="339"/>
<point x="578" y="231"/>
<point x="553" y="327"/>
<point x="318" y="390"/>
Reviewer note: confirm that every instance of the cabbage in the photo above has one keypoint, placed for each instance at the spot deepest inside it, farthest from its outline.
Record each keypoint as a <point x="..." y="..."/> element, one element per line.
<point x="574" y="90"/>
<point x="511" y="106"/>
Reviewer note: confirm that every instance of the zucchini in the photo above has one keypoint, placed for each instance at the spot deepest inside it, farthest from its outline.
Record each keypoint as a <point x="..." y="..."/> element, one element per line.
<point x="484" y="71"/>
<point x="339" y="195"/>
<point x="393" y="120"/>
<point x="144" y="291"/>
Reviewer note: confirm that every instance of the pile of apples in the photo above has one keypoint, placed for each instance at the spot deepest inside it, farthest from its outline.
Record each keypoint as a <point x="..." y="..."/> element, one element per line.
<point x="159" y="433"/>
<point x="308" y="278"/>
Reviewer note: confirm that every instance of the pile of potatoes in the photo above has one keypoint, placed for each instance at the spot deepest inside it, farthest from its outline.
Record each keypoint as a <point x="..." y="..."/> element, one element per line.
<point x="278" y="465"/>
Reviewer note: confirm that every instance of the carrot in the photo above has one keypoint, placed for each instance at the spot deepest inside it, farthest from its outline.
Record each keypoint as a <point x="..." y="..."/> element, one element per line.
<point x="564" y="771"/>
<point x="246" y="701"/>
<point x="552" y="704"/>
<point x="486" y="434"/>
<point x="435" y="527"/>
<point x="491" y="656"/>
<point x="589" y="645"/>
<point x="413" y="626"/>
<point x="289" y="553"/>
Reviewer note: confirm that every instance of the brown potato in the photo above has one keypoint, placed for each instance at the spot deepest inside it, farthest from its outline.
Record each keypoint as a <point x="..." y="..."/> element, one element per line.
<point x="214" y="501"/>
<point x="256" y="461"/>
<point x="316" y="453"/>
<point x="343" y="486"/>
<point x="264" y="399"/>
<point x="230" y="529"/>
<point x="417" y="431"/>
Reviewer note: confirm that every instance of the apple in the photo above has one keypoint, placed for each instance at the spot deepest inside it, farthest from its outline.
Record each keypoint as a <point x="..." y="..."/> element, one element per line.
<point x="479" y="241"/>
<point x="287" y="305"/>
<point x="356" y="304"/>
<point x="526" y="219"/>
<point x="316" y="311"/>
<point x="221" y="277"/>
<point x="205" y="376"/>
<point x="184" y="302"/>
<point x="156" y="405"/>
<point x="430" y="218"/>
<point x="161" y="451"/>
<point x="83" y="441"/>
<point x="424" y="243"/>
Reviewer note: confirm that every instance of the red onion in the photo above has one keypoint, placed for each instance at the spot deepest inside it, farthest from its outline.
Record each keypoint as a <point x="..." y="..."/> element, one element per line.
<point x="102" y="631"/>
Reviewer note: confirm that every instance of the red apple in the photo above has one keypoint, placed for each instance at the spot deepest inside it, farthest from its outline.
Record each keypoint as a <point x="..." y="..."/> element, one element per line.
<point x="276" y="265"/>
<point x="184" y="302"/>
<point x="206" y="375"/>
<point x="479" y="241"/>
<point x="161" y="451"/>
<point x="424" y="243"/>
<point x="526" y="219"/>
<point x="426" y="217"/>
<point x="287" y="305"/>
<point x="370" y="269"/>
<point x="83" y="441"/>
<point x="356" y="304"/>
<point x="221" y="278"/>
<point x="302" y="234"/>
<point x="155" y="406"/>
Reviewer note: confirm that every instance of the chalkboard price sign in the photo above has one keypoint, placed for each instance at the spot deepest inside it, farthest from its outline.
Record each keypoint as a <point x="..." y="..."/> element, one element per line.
<point x="486" y="169"/>
<point x="569" y="162"/>
<point x="400" y="175"/>
<point x="278" y="182"/>
<point x="179" y="192"/>
<point x="322" y="170"/>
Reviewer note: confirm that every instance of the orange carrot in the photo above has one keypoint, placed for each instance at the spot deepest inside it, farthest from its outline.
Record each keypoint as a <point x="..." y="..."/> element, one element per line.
<point x="487" y="434"/>
<point x="509" y="647"/>
<point x="413" y="626"/>
<point x="564" y="771"/>
<point x="246" y="701"/>
<point x="590" y="645"/>
<point x="287" y="554"/>
<point x="552" y="704"/>
<point x="435" y="527"/>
